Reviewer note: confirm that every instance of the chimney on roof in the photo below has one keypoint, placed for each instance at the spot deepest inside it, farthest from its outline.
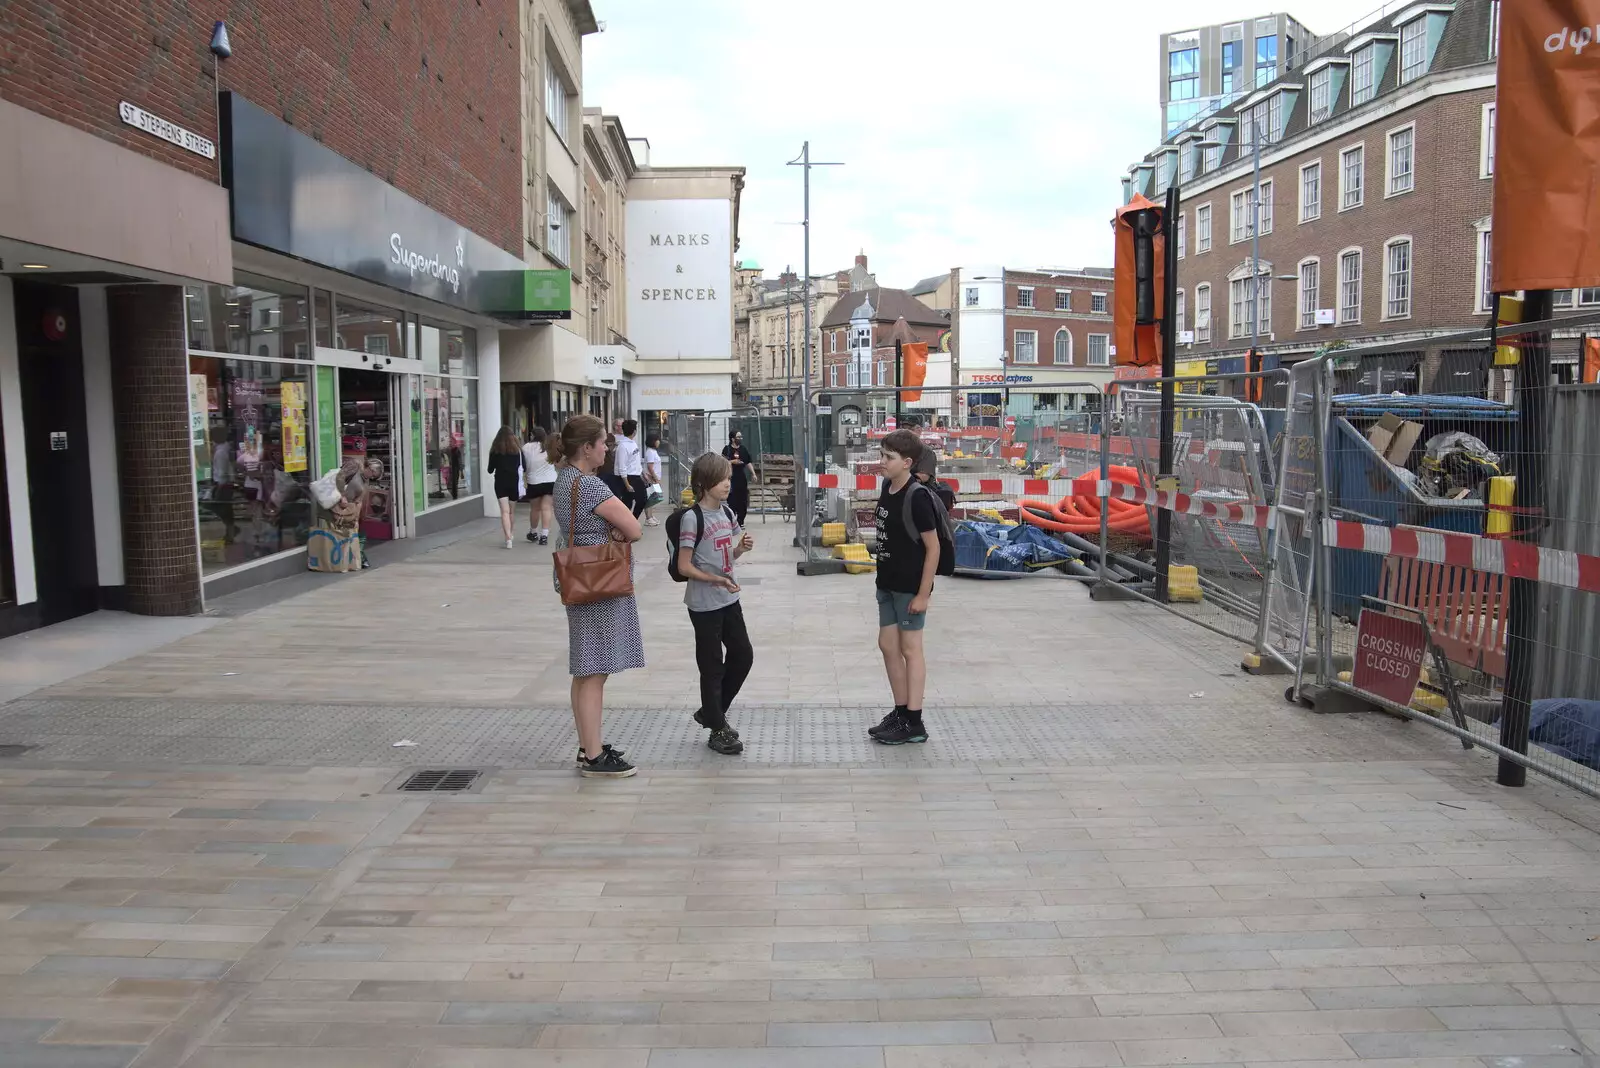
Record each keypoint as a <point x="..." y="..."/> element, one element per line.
<point x="861" y="261"/>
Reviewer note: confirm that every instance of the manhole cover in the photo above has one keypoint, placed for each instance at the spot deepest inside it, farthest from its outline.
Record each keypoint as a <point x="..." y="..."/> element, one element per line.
<point x="14" y="750"/>
<point x="440" y="781"/>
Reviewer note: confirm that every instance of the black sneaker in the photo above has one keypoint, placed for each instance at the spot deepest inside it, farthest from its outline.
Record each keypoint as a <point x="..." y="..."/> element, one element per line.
<point x="901" y="732"/>
<point x="544" y="539"/>
<point x="725" y="741"/>
<point x="700" y="718"/>
<point x="887" y="722"/>
<point x="533" y="537"/>
<point x="608" y="765"/>
<point x="582" y="760"/>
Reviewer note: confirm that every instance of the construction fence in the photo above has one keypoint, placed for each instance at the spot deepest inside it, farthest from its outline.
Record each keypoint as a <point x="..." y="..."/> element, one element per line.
<point x="1411" y="528"/>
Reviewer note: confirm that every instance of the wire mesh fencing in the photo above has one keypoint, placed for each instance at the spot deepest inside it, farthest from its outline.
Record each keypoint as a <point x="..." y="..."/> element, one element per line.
<point x="1457" y="550"/>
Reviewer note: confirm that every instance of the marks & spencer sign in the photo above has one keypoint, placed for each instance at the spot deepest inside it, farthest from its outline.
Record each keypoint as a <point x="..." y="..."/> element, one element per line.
<point x="680" y="264"/>
<point x="295" y="196"/>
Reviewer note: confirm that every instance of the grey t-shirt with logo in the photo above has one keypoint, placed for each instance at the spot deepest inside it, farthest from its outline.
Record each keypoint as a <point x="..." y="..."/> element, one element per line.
<point x="714" y="556"/>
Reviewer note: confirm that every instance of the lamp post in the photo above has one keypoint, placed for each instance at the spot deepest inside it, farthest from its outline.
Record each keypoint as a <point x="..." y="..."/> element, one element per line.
<point x="807" y="419"/>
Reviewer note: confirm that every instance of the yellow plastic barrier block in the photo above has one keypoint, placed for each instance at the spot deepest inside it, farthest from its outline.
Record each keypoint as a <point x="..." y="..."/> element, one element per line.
<point x="1183" y="584"/>
<point x="833" y="534"/>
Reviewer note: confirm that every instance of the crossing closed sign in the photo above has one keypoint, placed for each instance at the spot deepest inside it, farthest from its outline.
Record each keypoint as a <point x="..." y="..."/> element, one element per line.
<point x="1389" y="652"/>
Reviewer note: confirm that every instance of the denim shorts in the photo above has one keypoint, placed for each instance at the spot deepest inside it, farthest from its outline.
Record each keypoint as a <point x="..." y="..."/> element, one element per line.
<point x="894" y="609"/>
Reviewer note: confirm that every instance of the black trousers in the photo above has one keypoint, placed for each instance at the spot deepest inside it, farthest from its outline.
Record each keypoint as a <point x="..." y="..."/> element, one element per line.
<point x="721" y="677"/>
<point x="641" y="493"/>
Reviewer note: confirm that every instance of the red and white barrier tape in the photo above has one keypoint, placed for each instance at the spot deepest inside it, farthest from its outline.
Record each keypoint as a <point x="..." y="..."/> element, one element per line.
<point x="1053" y="489"/>
<point x="1514" y="559"/>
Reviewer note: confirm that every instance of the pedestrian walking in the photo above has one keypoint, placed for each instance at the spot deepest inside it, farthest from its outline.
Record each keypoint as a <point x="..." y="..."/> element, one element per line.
<point x="603" y="637"/>
<point x="630" y="464"/>
<point x="906" y="568"/>
<point x="505" y="464"/>
<point x="739" y="457"/>
<point x="652" y="478"/>
<point x="709" y="540"/>
<point x="607" y="473"/>
<point x="540" y="476"/>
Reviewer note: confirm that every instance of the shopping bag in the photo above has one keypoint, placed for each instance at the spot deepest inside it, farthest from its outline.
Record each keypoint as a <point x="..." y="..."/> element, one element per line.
<point x="329" y="551"/>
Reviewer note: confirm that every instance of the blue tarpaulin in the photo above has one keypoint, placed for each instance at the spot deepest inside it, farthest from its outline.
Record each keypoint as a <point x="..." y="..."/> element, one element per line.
<point x="1007" y="550"/>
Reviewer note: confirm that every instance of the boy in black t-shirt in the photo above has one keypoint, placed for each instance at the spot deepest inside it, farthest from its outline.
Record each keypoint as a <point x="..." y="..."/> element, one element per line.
<point x="906" y="567"/>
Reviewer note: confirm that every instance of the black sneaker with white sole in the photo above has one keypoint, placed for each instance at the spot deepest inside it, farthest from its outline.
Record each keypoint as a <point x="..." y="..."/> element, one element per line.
<point x="608" y="765"/>
<point x="582" y="760"/>
<point x="901" y="732"/>
<point x="533" y="537"/>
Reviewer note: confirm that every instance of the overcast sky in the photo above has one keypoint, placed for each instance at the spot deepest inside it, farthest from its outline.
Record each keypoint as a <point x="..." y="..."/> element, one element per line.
<point x="986" y="132"/>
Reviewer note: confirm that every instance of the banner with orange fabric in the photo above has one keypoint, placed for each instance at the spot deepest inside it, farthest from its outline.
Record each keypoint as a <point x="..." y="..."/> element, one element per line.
<point x="913" y="369"/>
<point x="1591" y="360"/>
<point x="1547" y="155"/>
<point x="1138" y="344"/>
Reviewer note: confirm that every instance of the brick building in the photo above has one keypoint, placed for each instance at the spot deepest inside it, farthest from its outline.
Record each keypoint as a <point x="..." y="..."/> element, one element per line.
<point x="858" y="337"/>
<point x="1376" y="158"/>
<point x="211" y="292"/>
<point x="770" y="323"/>
<point x="1045" y="334"/>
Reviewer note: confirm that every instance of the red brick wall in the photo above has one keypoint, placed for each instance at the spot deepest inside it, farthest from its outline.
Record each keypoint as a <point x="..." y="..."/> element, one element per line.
<point x="1439" y="215"/>
<point x="1045" y="320"/>
<point x="349" y="73"/>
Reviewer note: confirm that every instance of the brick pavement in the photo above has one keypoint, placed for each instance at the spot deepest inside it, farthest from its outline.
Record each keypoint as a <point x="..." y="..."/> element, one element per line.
<point x="1118" y="877"/>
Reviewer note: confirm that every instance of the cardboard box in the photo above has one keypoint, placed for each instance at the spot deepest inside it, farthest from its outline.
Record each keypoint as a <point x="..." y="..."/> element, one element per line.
<point x="1394" y="438"/>
<point x="1381" y="435"/>
<point x="1405" y="440"/>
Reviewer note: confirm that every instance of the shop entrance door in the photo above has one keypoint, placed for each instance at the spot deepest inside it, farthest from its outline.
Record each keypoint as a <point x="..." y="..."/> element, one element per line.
<point x="372" y="432"/>
<point x="50" y="369"/>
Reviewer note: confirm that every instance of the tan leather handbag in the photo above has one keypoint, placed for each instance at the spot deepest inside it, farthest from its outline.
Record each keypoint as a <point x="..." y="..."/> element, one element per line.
<point x="589" y="573"/>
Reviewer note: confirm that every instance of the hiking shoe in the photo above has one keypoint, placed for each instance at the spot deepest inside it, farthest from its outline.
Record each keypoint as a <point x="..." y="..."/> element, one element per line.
<point x="725" y="741"/>
<point x="900" y="732"/>
<point x="887" y="722"/>
<point x="700" y="718"/>
<point x="608" y="765"/>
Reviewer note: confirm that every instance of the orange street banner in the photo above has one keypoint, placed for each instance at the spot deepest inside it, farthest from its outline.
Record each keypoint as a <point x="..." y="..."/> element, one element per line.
<point x="1547" y="146"/>
<point x="1591" y="360"/>
<point x="914" y="368"/>
<point x="1137" y="345"/>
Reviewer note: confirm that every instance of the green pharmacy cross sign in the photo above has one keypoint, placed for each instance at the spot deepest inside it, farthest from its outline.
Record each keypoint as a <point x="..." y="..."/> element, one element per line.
<point x="529" y="295"/>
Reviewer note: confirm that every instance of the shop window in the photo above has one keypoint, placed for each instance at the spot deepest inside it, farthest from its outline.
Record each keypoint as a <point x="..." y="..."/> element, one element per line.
<point x="446" y="349"/>
<point x="250" y="429"/>
<point x="255" y="317"/>
<point x="450" y="437"/>
<point x="360" y="327"/>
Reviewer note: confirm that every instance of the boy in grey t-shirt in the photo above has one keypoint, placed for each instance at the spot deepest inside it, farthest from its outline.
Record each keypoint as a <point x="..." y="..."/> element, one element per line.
<point x="722" y="648"/>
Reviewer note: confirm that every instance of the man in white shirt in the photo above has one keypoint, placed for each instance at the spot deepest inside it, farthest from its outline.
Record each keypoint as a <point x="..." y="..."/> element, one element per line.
<point x="630" y="465"/>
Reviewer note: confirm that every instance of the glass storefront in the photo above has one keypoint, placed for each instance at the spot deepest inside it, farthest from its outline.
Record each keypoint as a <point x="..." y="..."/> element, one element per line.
<point x="254" y="410"/>
<point x="250" y="431"/>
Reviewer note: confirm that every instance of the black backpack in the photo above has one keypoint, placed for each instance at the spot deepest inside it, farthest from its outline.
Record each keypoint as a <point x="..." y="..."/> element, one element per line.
<point x="942" y="526"/>
<point x="675" y="527"/>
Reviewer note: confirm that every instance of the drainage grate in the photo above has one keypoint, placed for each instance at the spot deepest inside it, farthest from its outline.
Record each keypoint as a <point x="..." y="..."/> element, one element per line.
<point x="440" y="780"/>
<point x="14" y="750"/>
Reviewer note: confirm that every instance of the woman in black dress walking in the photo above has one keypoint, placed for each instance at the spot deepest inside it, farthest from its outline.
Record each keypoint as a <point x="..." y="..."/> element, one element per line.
<point x="739" y="456"/>
<point x="505" y="464"/>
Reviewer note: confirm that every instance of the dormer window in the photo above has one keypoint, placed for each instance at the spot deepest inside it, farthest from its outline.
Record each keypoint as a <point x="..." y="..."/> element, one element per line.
<point x="1321" y="94"/>
<point x="1413" y="50"/>
<point x="1363" y="76"/>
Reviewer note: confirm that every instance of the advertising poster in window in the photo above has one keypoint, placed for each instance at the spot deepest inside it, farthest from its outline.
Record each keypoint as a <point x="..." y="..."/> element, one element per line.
<point x="294" y="426"/>
<point x="244" y="397"/>
<point x="199" y="416"/>
<point x="1547" y="162"/>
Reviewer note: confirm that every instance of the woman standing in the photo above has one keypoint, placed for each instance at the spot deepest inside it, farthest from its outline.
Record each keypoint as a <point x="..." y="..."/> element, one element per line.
<point x="505" y="464"/>
<point x="603" y="638"/>
<point x="652" y="476"/>
<point x="540" y="475"/>
<point x="739" y="456"/>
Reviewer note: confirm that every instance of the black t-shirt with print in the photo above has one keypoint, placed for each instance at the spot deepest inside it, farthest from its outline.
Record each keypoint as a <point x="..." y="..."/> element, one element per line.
<point x="900" y="558"/>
